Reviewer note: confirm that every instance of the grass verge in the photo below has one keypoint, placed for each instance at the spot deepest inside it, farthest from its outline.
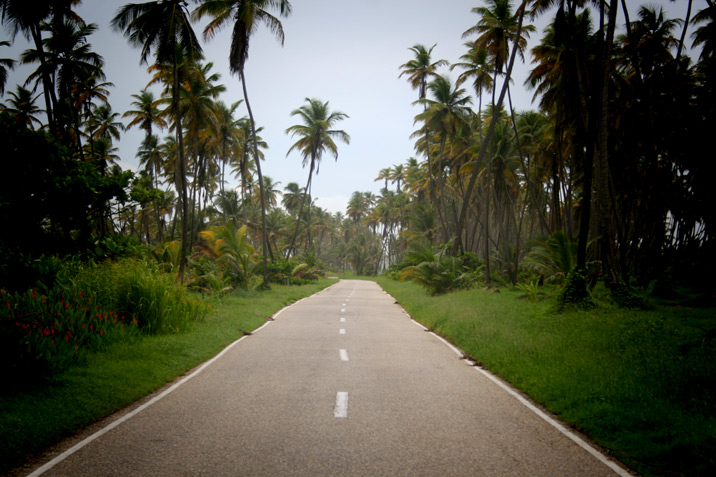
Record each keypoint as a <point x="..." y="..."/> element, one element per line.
<point x="642" y="384"/>
<point x="32" y="419"/>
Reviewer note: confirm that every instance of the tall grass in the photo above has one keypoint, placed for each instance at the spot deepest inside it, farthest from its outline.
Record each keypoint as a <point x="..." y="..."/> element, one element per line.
<point x="641" y="383"/>
<point x="138" y="290"/>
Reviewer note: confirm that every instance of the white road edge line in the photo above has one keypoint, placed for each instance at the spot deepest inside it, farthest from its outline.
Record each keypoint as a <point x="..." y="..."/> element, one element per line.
<point x="49" y="465"/>
<point x="569" y="434"/>
<point x="341" y="409"/>
<point x="343" y="354"/>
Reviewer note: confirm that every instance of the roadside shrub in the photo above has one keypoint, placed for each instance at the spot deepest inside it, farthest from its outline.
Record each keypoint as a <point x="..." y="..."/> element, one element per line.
<point x="575" y="292"/>
<point x="231" y="249"/>
<point x="553" y="257"/>
<point x="292" y="272"/>
<point x="41" y="334"/>
<point x="139" y="291"/>
<point x="435" y="270"/>
<point x="531" y="290"/>
<point x="625" y="296"/>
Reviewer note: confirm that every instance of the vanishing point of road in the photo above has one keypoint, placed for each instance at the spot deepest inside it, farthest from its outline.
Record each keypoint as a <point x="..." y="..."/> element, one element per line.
<point x="343" y="383"/>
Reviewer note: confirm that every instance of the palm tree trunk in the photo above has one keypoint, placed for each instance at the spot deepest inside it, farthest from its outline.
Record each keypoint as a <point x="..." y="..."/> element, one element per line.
<point x="488" y="136"/>
<point x="181" y="175"/>
<point x="683" y="32"/>
<point x="264" y="238"/>
<point x="47" y="87"/>
<point x="300" y="210"/>
<point x="602" y="164"/>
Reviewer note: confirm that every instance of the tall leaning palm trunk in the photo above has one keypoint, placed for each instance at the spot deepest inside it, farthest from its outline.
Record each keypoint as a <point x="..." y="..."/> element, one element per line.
<point x="602" y="156"/>
<point x="490" y="132"/>
<point x="262" y="192"/>
<point x="246" y="15"/>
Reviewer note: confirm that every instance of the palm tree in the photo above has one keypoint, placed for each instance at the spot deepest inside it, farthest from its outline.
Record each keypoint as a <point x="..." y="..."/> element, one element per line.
<point x="421" y="68"/>
<point x="562" y="61"/>
<point x="68" y="57"/>
<point x="446" y="116"/>
<point x="230" y="138"/>
<point x="5" y="64"/>
<point x="516" y="45"/>
<point x="198" y="110"/>
<point x="163" y="26"/>
<point x="475" y="66"/>
<point x="105" y="123"/>
<point x="22" y="106"/>
<point x="271" y="192"/>
<point x="397" y="176"/>
<point x="246" y="15"/>
<point x="292" y="199"/>
<point x="419" y="71"/>
<point x="315" y="137"/>
<point x="145" y="115"/>
<point x="384" y="175"/>
<point x="244" y="166"/>
<point x="497" y="27"/>
<point x="27" y="18"/>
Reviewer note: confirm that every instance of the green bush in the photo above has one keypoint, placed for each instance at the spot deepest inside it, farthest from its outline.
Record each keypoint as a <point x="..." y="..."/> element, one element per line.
<point x="41" y="334"/>
<point x="139" y="291"/>
<point x="291" y="272"/>
<point x="575" y="292"/>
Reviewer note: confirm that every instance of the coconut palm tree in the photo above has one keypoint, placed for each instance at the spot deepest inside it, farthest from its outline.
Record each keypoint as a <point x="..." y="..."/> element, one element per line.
<point x="5" y="64"/>
<point x="563" y="60"/>
<point x="475" y="66"/>
<point x="420" y="70"/>
<point x="27" y="18"/>
<point x="198" y="110"/>
<point x="316" y="136"/>
<point x="292" y="199"/>
<point x="22" y="106"/>
<point x="497" y="27"/>
<point x="246" y="16"/>
<point x="517" y="45"/>
<point x="446" y="116"/>
<point x="146" y="114"/>
<point x="230" y="138"/>
<point x="162" y="27"/>
<point x="68" y="57"/>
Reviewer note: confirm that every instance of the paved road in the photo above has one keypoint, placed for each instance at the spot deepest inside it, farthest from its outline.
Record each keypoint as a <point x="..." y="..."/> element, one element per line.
<point x="342" y="383"/>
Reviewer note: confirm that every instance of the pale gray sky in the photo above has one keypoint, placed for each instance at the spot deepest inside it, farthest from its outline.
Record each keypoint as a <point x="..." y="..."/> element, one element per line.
<point x="347" y="52"/>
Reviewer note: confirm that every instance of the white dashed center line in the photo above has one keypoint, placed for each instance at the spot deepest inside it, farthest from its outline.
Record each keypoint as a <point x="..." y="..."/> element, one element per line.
<point x="343" y="354"/>
<point x="341" y="409"/>
<point x="342" y="331"/>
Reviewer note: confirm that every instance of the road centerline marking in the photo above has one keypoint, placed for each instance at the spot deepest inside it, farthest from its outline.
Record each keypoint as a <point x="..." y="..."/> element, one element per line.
<point x="343" y="354"/>
<point x="342" y="331"/>
<point x="341" y="408"/>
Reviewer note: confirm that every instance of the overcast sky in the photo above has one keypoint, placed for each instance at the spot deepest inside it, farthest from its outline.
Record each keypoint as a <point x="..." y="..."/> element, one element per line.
<point x="347" y="52"/>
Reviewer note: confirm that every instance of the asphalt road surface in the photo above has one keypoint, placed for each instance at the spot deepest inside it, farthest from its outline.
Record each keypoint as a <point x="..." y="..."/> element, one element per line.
<point x="343" y="384"/>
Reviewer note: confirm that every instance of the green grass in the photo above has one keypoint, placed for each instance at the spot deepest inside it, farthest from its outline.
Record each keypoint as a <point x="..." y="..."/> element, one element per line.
<point x="640" y="383"/>
<point x="32" y="419"/>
